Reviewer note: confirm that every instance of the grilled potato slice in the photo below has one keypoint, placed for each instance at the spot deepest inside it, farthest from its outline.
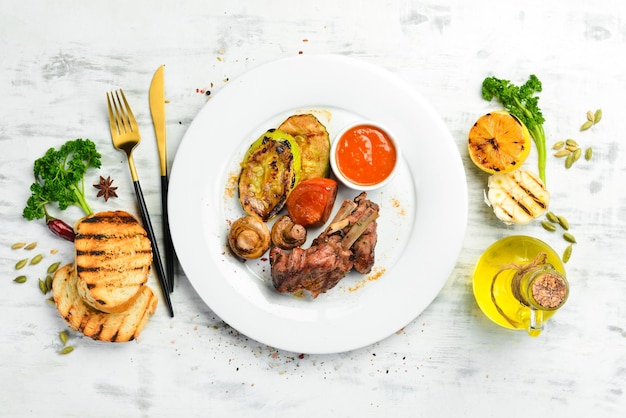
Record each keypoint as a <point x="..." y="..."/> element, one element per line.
<point x="118" y="327"/>
<point x="269" y="172"/>
<point x="314" y="141"/>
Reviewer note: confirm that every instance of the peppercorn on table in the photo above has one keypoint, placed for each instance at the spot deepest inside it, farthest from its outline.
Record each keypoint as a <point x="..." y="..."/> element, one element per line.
<point x="450" y="359"/>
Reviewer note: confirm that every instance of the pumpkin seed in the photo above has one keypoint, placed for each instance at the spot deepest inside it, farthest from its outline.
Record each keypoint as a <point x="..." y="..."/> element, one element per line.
<point x="53" y="267"/>
<point x="36" y="259"/>
<point x="563" y="222"/>
<point x="66" y="350"/>
<point x="569" y="237"/>
<point x="50" y="300"/>
<point x="590" y="116"/>
<point x="18" y="245"/>
<point x="49" y="282"/>
<point x="20" y="264"/>
<point x="598" y="115"/>
<point x="570" y="142"/>
<point x="577" y="154"/>
<point x="20" y="279"/>
<point x="63" y="337"/>
<point x="31" y="246"/>
<point x="43" y="287"/>
<point x="569" y="160"/>
<point x="552" y="217"/>
<point x="548" y="226"/>
<point x="588" y="153"/>
<point x="567" y="253"/>
<point x="558" y="145"/>
<point x="562" y="153"/>
<point x="586" y="125"/>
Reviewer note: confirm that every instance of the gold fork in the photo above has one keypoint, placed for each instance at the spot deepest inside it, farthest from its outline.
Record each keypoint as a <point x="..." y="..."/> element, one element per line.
<point x="125" y="136"/>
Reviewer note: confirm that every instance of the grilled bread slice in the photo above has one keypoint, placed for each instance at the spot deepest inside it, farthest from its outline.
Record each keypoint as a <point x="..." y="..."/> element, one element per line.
<point x="113" y="259"/>
<point x="116" y="327"/>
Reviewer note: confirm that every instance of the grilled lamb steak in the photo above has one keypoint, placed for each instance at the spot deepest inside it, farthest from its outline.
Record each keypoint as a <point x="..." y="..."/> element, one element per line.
<point x="332" y="254"/>
<point x="315" y="269"/>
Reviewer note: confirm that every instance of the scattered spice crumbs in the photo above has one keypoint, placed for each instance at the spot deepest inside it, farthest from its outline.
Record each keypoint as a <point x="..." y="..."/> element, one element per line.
<point x="372" y="277"/>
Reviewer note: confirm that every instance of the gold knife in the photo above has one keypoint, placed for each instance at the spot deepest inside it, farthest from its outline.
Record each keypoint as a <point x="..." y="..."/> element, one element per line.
<point x="157" y="108"/>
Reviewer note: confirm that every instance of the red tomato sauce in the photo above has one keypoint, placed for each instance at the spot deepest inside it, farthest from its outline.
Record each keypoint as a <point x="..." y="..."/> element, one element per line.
<point x="365" y="155"/>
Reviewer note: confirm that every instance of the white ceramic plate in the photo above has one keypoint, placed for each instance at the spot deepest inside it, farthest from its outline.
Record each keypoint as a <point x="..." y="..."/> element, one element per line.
<point x="422" y="218"/>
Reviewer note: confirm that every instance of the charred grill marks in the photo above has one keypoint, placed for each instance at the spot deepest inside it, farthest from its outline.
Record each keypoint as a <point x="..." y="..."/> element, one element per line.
<point x="80" y="269"/>
<point x="110" y="220"/>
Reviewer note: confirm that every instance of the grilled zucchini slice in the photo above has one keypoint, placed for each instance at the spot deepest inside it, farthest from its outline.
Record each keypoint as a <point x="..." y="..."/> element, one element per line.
<point x="314" y="141"/>
<point x="269" y="172"/>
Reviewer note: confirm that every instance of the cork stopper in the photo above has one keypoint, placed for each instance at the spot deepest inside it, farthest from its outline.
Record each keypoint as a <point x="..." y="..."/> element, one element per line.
<point x="549" y="290"/>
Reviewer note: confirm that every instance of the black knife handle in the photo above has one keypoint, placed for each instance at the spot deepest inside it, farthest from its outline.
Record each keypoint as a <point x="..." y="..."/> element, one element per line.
<point x="156" y="259"/>
<point x="167" y="236"/>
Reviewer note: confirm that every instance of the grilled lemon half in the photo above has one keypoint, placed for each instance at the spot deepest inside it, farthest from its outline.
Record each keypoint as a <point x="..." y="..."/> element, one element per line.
<point x="498" y="142"/>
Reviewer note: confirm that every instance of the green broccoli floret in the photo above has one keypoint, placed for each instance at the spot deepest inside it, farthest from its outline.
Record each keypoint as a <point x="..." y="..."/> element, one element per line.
<point x="520" y="102"/>
<point x="60" y="178"/>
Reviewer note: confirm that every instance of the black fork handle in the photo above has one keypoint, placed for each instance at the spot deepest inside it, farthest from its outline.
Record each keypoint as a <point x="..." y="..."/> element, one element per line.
<point x="156" y="259"/>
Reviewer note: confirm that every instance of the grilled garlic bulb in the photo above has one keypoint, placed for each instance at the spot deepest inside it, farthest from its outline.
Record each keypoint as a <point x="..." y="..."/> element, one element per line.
<point x="517" y="197"/>
<point x="249" y="237"/>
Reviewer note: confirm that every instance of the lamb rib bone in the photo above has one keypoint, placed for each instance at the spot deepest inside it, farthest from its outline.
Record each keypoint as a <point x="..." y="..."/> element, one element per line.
<point x="357" y="229"/>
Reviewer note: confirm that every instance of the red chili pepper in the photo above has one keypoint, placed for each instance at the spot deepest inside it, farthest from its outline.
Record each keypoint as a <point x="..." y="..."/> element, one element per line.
<point x="60" y="228"/>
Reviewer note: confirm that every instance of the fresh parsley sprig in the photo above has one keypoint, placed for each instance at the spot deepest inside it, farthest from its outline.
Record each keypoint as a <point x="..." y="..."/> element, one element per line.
<point x="521" y="102"/>
<point x="60" y="178"/>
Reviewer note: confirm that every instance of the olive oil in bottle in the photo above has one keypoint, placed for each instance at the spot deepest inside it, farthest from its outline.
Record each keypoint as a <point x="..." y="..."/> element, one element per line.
<point x="519" y="283"/>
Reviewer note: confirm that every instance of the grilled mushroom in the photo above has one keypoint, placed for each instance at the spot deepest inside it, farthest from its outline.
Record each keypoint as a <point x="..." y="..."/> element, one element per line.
<point x="249" y="237"/>
<point x="286" y="234"/>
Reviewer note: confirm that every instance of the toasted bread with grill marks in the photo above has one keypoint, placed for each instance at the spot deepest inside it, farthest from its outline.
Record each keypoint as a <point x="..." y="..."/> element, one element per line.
<point x="113" y="259"/>
<point x="113" y="327"/>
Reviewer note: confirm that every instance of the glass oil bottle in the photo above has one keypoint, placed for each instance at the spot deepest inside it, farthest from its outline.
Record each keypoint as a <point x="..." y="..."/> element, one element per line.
<point x="519" y="282"/>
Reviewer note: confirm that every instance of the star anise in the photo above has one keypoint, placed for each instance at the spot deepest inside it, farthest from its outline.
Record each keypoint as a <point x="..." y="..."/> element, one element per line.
<point x="105" y="188"/>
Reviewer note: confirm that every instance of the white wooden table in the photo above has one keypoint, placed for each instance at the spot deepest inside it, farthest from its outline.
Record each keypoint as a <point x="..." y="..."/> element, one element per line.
<point x="58" y="60"/>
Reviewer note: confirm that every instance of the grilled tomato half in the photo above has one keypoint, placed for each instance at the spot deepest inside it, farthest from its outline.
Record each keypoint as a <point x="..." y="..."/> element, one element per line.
<point x="269" y="172"/>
